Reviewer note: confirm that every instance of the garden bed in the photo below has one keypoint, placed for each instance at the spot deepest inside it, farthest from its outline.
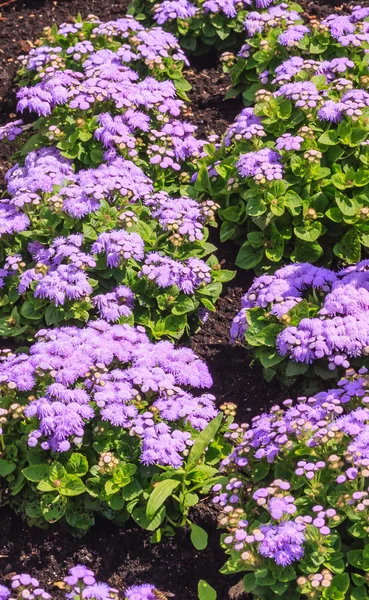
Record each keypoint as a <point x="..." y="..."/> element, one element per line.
<point x="125" y="556"/>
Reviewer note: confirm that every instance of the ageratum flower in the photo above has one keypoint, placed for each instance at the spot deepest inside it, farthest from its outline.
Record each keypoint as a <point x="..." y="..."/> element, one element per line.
<point x="114" y="305"/>
<point x="263" y="165"/>
<point x="71" y="370"/>
<point x="293" y="35"/>
<point x="183" y="217"/>
<point x="340" y="330"/>
<point x="246" y="126"/>
<point x="80" y="581"/>
<point x="165" y="271"/>
<point x="304" y="94"/>
<point x="256" y="22"/>
<point x="169" y="10"/>
<point x="11" y="130"/>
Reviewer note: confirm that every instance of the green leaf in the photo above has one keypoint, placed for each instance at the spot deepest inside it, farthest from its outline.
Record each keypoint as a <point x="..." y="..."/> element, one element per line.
<point x="226" y="231"/>
<point x="36" y="472"/>
<point x="205" y="591"/>
<point x="6" y="467"/>
<point x="183" y="306"/>
<point x="294" y="369"/>
<point x="111" y="487"/>
<point x="264" y="337"/>
<point x="57" y="471"/>
<point x="349" y="247"/>
<point x="77" y="464"/>
<point x="139" y="515"/>
<point x="199" y="537"/>
<point x="27" y="310"/>
<point x="248" y="257"/>
<point x="202" y="183"/>
<point x="158" y="496"/>
<point x="146" y="232"/>
<point x="202" y="441"/>
<point x="328" y="138"/>
<point x="53" y="507"/>
<point x="348" y="206"/>
<point x="269" y="357"/>
<point x="249" y="582"/>
<point x="74" y="486"/>
<point x="260" y="470"/>
<point x="224" y="275"/>
<point x="309" y="233"/>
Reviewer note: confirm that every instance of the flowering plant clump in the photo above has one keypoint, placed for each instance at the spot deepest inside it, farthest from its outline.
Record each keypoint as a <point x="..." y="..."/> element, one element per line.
<point x="200" y="24"/>
<point x="103" y="90"/>
<point x="279" y="35"/>
<point x="152" y="249"/>
<point x="306" y="320"/>
<point x="296" y="503"/>
<point x="101" y="420"/>
<point x="79" y="584"/>
<point x="291" y="175"/>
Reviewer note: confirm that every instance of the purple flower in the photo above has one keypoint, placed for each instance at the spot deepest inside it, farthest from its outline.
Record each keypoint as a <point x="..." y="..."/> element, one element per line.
<point x="169" y="10"/>
<point x="116" y="304"/>
<point x="263" y="165"/>
<point x="283" y="543"/>
<point x="165" y="271"/>
<point x="293" y="35"/>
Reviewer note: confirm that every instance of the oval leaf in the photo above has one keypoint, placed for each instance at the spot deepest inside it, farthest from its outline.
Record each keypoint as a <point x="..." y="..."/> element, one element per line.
<point x="160" y="493"/>
<point x="202" y="442"/>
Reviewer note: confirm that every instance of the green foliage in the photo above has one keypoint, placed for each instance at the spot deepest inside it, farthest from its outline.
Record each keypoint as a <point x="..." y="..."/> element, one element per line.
<point x="105" y="477"/>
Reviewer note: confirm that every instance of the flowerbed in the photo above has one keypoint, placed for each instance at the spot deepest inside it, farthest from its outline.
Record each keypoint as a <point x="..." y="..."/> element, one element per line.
<point x="104" y="241"/>
<point x="79" y="583"/>
<point x="291" y="173"/>
<point x="296" y="504"/>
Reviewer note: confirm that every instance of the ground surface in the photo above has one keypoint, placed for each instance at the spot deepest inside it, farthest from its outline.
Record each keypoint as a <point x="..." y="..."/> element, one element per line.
<point x="124" y="557"/>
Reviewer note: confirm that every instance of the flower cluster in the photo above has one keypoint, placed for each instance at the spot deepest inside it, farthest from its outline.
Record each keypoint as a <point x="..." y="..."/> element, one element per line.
<point x="321" y="444"/>
<point x="107" y="400"/>
<point x="199" y="24"/>
<point x="70" y="277"/>
<point x="275" y="175"/>
<point x="313" y="315"/>
<point x="80" y="582"/>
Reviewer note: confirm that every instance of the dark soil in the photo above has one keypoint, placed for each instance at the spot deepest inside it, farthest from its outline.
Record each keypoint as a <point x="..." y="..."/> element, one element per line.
<point x="125" y="556"/>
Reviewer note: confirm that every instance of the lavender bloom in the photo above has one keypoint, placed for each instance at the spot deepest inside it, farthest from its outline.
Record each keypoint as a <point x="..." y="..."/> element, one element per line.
<point x="227" y="7"/>
<point x="256" y="21"/>
<point x="4" y="592"/>
<point x="118" y="178"/>
<point x="304" y="94"/>
<point x="283" y="543"/>
<point x="245" y="126"/>
<point x="339" y="25"/>
<point x="28" y="587"/>
<point x="186" y="276"/>
<point x="129" y="365"/>
<point x="183" y="217"/>
<point x="11" y="130"/>
<point x="293" y="35"/>
<point x="263" y="165"/>
<point x="141" y="592"/>
<point x="341" y="328"/>
<point x="331" y="111"/>
<point x="289" y="142"/>
<point x="169" y="10"/>
<point x="11" y="220"/>
<point x="114" y="305"/>
<point x="119" y="246"/>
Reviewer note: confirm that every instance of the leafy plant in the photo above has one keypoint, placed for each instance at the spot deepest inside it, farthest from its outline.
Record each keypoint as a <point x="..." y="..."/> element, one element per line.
<point x="291" y="175"/>
<point x="295" y="505"/>
<point x="111" y="428"/>
<point x="306" y="321"/>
